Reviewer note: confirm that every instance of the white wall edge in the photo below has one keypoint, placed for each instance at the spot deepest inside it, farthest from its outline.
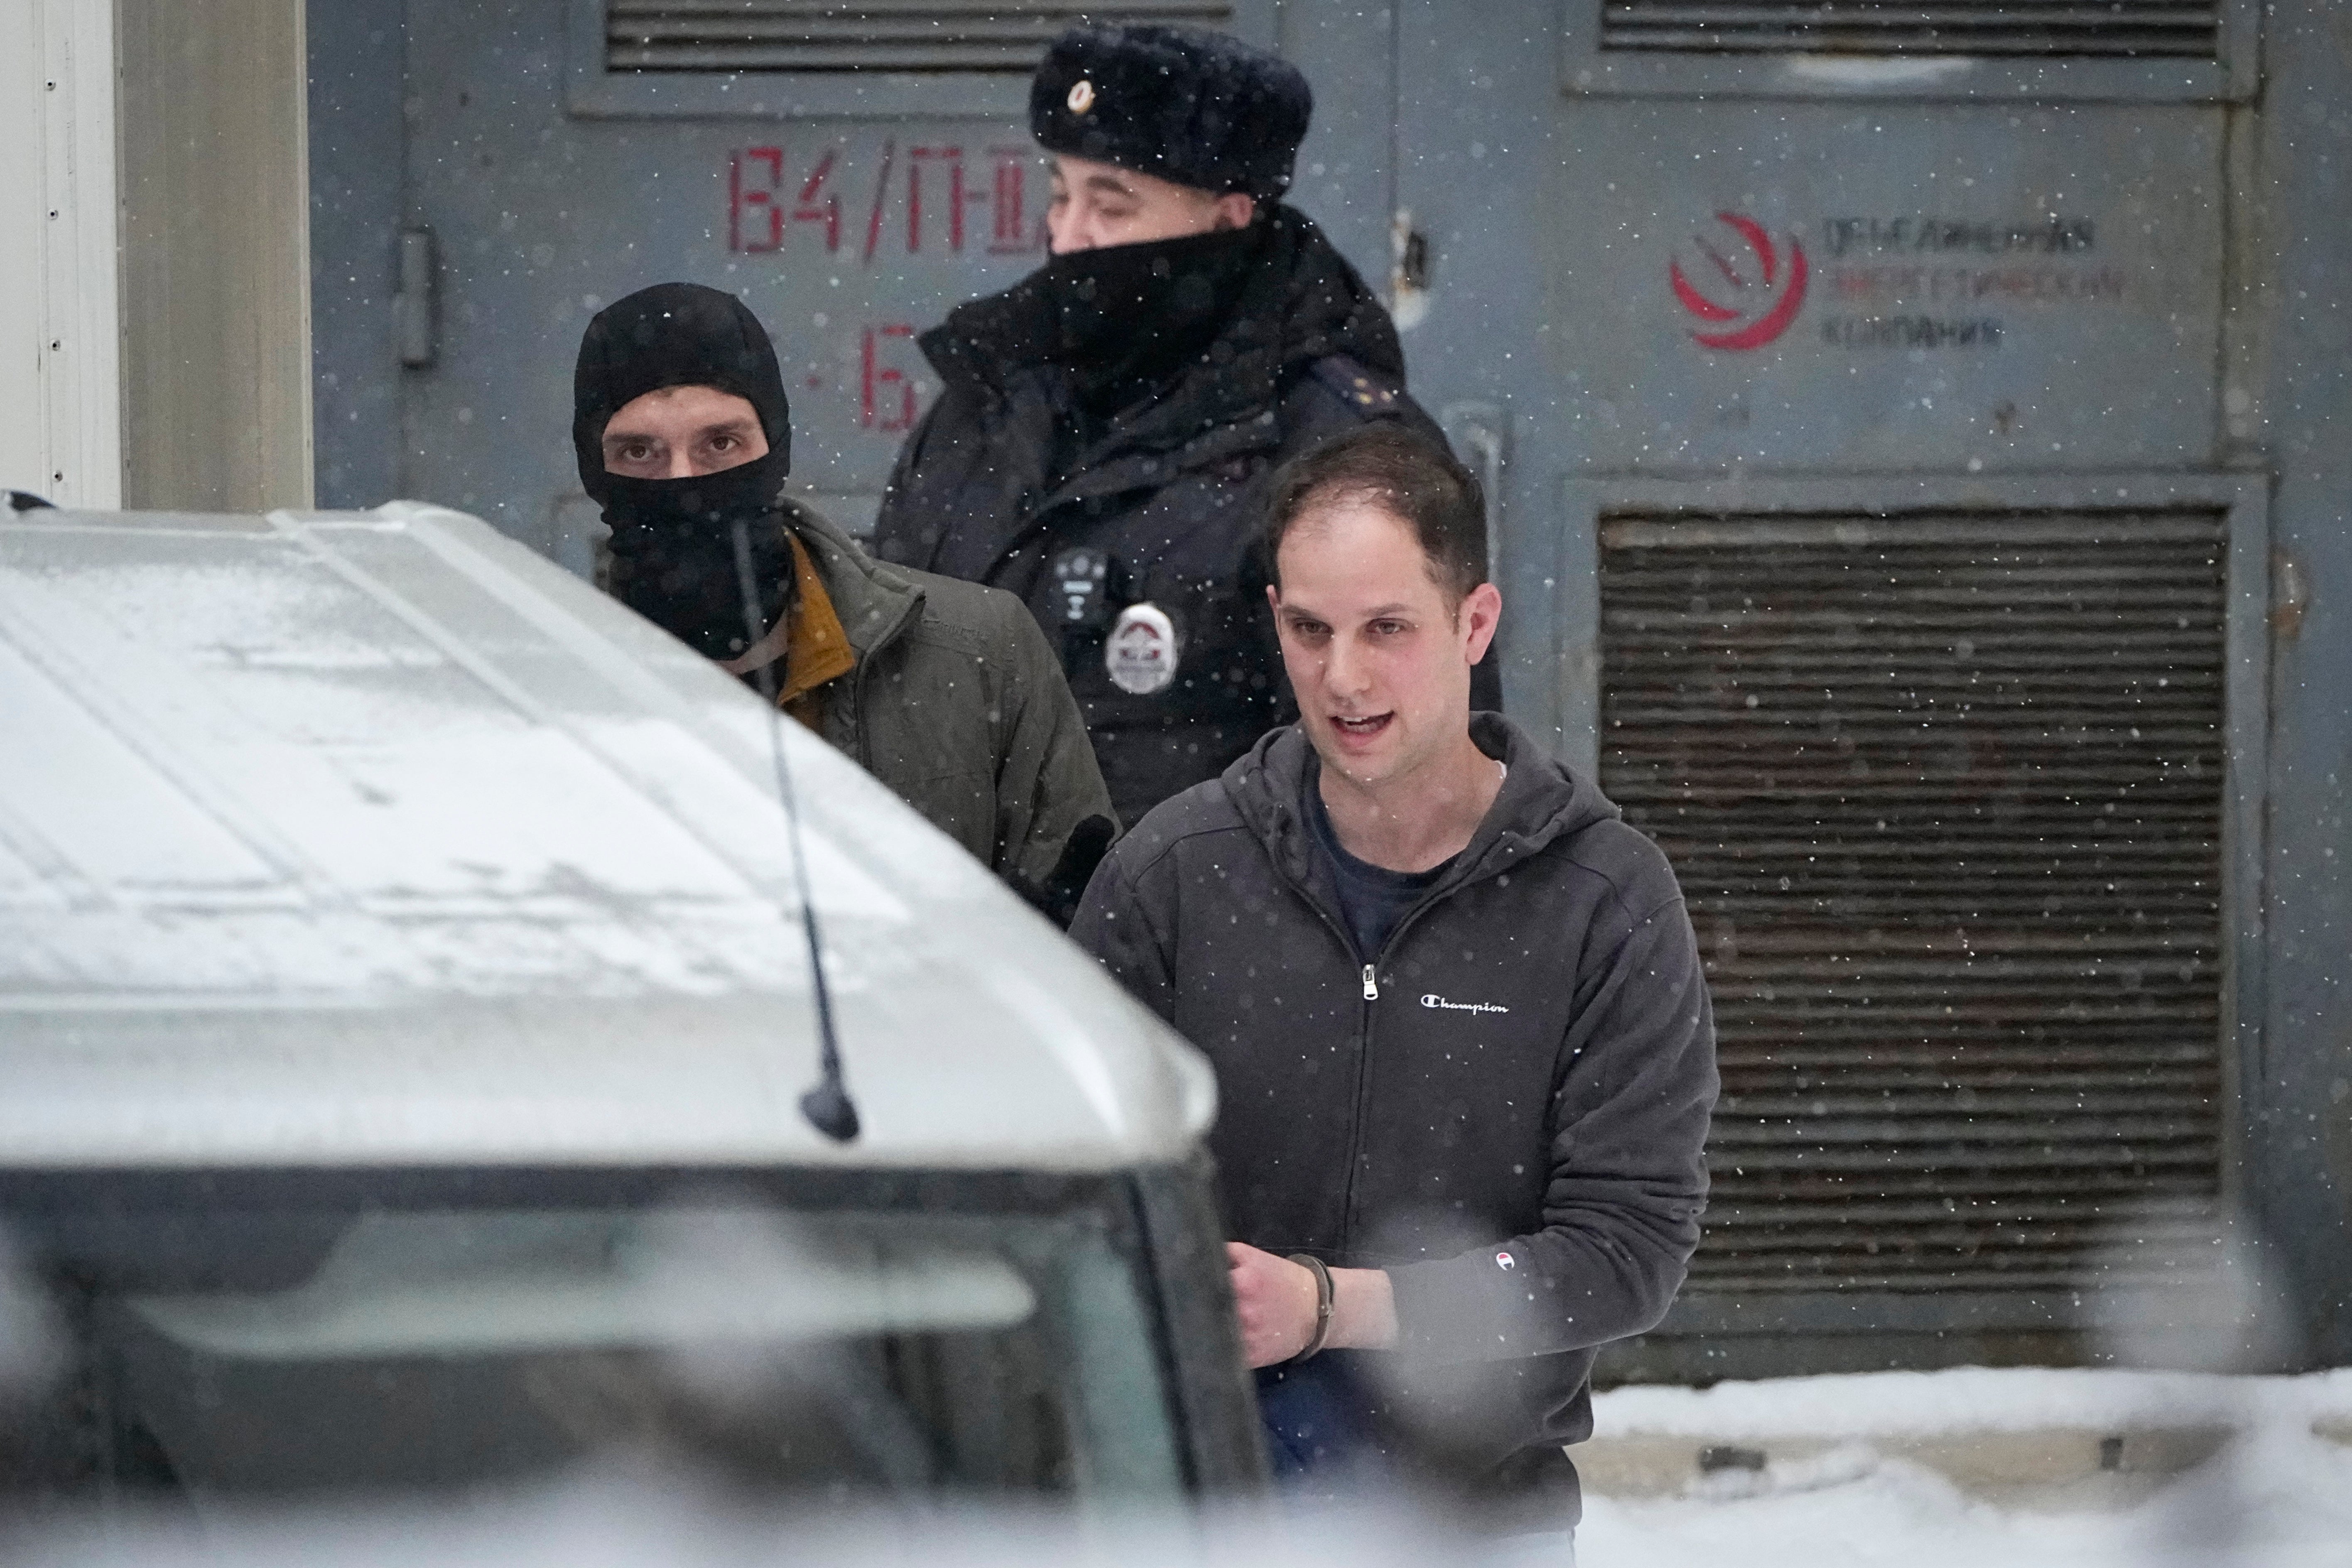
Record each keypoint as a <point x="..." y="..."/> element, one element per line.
<point x="81" y="356"/>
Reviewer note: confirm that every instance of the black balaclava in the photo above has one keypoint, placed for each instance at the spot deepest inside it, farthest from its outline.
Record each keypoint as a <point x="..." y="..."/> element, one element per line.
<point x="673" y="539"/>
<point x="1125" y="319"/>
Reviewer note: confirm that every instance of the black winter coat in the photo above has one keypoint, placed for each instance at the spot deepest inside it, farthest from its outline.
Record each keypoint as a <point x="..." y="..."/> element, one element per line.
<point x="1506" y="1106"/>
<point x="1006" y="472"/>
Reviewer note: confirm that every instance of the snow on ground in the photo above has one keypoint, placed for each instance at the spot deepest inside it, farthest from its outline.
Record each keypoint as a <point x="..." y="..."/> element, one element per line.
<point x="2279" y="1496"/>
<point x="1964" y="1399"/>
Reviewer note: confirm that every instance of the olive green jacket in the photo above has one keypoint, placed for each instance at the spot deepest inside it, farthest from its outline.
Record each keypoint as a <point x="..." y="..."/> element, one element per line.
<point x="958" y="704"/>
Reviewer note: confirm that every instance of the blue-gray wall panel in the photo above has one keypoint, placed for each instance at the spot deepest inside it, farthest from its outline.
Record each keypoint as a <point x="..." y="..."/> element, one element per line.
<point x="847" y="234"/>
<point x="1948" y="285"/>
<point x="1556" y="223"/>
<point x="1344" y="178"/>
<point x="2302" y="1157"/>
<point x="1555" y="227"/>
<point x="1479" y="134"/>
<point x="356" y="49"/>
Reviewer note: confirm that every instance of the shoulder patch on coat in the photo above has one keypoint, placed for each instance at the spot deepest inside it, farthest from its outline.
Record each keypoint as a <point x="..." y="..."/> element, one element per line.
<point x="1360" y="387"/>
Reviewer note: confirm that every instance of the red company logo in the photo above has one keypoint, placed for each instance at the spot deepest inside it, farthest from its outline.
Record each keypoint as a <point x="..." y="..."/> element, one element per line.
<point x="1750" y="298"/>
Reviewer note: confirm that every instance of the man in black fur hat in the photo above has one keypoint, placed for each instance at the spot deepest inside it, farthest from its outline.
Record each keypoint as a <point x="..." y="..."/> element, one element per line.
<point x="944" y="691"/>
<point x="1108" y="423"/>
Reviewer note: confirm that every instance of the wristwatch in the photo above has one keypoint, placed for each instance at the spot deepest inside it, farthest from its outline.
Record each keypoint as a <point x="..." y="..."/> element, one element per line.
<point x="1314" y="1264"/>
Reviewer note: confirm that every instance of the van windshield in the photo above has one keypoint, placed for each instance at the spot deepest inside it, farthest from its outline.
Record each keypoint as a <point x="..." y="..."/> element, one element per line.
<point x="216" y="1339"/>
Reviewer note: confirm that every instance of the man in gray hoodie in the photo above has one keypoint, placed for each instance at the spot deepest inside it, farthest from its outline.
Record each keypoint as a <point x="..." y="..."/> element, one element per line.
<point x="1464" y="1052"/>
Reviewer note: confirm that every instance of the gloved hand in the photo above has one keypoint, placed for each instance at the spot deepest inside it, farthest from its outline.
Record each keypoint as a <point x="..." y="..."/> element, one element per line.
<point x="1058" y="895"/>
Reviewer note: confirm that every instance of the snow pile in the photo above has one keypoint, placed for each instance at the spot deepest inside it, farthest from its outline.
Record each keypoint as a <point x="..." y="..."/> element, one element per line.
<point x="1967" y="1399"/>
<point x="2278" y="1496"/>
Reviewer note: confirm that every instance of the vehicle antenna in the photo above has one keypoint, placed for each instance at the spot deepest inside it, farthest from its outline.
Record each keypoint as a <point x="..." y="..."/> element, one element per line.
<point x="828" y="1106"/>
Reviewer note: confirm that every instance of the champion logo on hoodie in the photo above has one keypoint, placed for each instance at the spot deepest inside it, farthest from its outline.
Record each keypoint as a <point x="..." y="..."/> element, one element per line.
<point x="1432" y="999"/>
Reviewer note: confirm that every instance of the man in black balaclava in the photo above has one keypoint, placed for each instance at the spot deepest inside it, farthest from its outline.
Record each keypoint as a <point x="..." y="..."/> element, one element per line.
<point x="945" y="691"/>
<point x="1109" y="425"/>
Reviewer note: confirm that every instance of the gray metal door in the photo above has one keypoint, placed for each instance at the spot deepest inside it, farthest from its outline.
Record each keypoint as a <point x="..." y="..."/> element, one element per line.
<point x="851" y="175"/>
<point x="1813" y="334"/>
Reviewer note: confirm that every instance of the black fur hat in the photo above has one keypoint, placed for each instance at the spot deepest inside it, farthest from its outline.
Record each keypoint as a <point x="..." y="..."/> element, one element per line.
<point x="1198" y="108"/>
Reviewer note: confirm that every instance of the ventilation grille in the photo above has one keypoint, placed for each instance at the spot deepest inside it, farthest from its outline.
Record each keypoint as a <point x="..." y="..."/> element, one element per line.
<point x="881" y="34"/>
<point x="2130" y="29"/>
<point x="1944" y="797"/>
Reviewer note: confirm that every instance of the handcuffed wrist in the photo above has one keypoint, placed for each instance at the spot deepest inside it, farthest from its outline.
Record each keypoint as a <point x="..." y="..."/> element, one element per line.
<point x="1323" y="1301"/>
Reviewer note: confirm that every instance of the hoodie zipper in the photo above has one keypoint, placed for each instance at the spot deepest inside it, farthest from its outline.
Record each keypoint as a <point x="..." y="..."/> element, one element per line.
<point x="1357" y="1113"/>
<point x="1371" y="994"/>
<point x="1363" y="1050"/>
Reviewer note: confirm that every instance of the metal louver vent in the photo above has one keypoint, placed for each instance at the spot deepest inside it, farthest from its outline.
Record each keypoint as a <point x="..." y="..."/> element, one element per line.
<point x="1945" y="796"/>
<point x="2143" y="29"/>
<point x="878" y="35"/>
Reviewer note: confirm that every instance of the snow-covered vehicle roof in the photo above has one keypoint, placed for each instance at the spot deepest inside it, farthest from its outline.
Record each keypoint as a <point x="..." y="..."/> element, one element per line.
<point x="367" y="838"/>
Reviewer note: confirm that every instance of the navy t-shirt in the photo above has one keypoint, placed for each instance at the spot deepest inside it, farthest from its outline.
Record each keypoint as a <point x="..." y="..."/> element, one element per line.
<point x="1372" y="898"/>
